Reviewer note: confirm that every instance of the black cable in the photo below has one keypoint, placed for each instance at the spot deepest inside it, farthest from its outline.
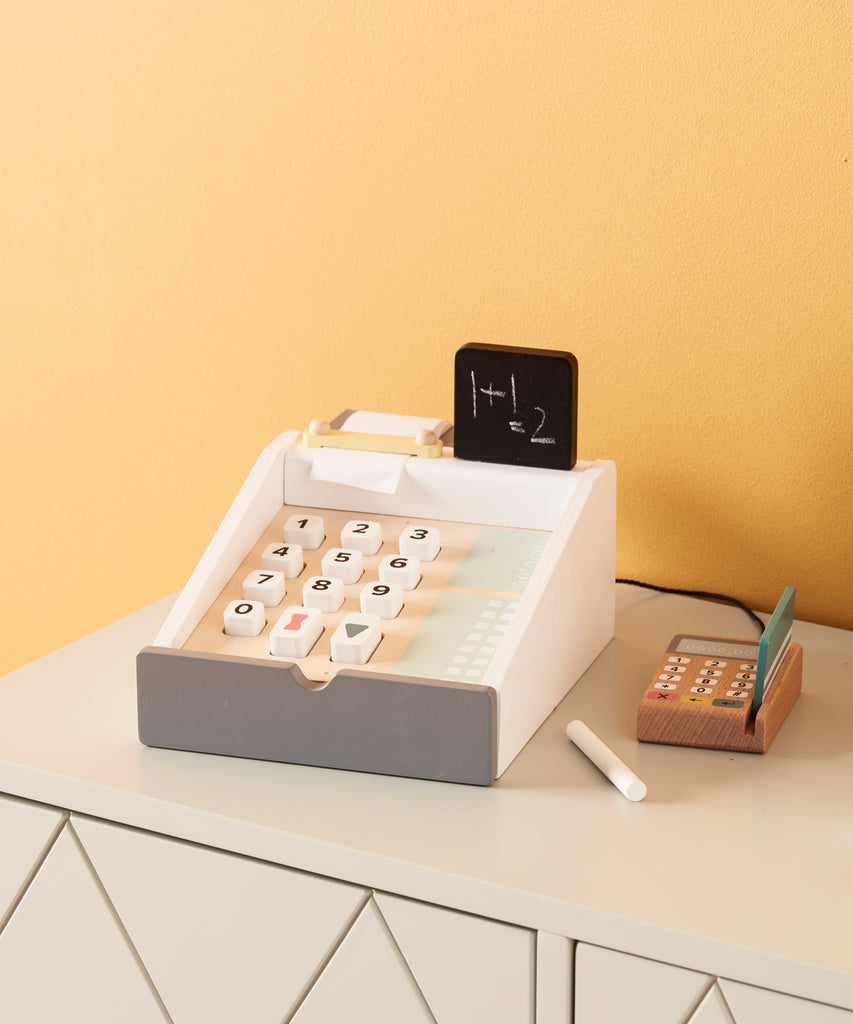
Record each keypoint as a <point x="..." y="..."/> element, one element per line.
<point x="700" y="593"/>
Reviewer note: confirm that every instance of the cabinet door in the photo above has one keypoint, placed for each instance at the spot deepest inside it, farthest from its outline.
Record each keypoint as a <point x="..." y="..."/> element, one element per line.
<point x="468" y="968"/>
<point x="223" y="937"/>
<point x="27" y="831"/>
<point x="64" y="957"/>
<point x="611" y="986"/>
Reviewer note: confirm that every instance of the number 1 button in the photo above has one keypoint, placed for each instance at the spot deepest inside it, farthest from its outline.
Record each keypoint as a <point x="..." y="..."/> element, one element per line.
<point x="305" y="530"/>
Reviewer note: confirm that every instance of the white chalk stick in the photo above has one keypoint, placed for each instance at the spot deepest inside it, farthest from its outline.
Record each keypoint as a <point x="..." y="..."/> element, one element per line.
<point x="603" y="758"/>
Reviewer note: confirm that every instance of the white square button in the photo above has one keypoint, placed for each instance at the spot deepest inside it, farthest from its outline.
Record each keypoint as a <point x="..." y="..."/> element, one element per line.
<point x="363" y="535"/>
<point x="296" y="632"/>
<point x="323" y="592"/>
<point x="382" y="599"/>
<point x="264" y="585"/>
<point x="421" y="542"/>
<point x="308" y="531"/>
<point x="284" y="558"/>
<point x="404" y="570"/>
<point x="244" y="618"/>
<point x="346" y="563"/>
<point x="355" y="639"/>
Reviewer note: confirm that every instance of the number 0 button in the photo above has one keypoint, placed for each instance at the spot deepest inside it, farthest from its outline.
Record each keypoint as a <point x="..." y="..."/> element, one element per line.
<point x="403" y="570"/>
<point x="244" y="618"/>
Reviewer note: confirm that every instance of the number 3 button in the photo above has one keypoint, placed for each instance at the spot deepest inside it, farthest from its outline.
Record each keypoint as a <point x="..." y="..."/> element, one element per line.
<point x="421" y="542"/>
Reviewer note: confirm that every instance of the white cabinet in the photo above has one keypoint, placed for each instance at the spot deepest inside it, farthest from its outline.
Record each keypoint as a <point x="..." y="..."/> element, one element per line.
<point x="115" y="923"/>
<point x="617" y="988"/>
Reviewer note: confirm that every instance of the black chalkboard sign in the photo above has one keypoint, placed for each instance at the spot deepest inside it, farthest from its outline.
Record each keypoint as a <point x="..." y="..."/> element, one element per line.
<point x="516" y="405"/>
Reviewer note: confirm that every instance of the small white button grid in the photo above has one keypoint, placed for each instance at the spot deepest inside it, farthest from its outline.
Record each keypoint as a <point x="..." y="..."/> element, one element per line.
<point x="404" y="570"/>
<point x="323" y="592"/>
<point x="284" y="558"/>
<point x="362" y="535"/>
<point x="305" y="530"/>
<point x="244" y="618"/>
<point x="355" y="639"/>
<point x="264" y="585"/>
<point x="296" y="632"/>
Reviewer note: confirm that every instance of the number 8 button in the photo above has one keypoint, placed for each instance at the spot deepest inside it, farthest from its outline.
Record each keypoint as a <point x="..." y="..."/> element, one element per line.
<point x="323" y="592"/>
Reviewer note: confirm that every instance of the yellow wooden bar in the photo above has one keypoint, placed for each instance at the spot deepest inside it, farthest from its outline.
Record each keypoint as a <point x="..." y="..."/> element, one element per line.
<point x="391" y="443"/>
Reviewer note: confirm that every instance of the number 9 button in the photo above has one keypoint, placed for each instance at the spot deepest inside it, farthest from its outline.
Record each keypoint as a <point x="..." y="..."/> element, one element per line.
<point x="382" y="599"/>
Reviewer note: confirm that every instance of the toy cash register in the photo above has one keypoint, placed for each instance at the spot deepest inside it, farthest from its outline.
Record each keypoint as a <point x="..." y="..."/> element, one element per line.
<point x="374" y="601"/>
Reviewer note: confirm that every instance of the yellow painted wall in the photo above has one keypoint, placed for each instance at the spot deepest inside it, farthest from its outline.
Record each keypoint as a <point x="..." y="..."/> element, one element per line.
<point x="221" y="220"/>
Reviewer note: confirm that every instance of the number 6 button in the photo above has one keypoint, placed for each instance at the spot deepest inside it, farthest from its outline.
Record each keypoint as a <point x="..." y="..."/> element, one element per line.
<point x="403" y="570"/>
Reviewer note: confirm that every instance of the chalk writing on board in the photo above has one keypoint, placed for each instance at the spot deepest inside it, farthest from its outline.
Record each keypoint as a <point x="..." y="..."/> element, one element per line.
<point x="515" y="424"/>
<point x="515" y="405"/>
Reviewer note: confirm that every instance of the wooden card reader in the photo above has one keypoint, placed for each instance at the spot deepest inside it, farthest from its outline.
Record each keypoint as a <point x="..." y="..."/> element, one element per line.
<point x="722" y="693"/>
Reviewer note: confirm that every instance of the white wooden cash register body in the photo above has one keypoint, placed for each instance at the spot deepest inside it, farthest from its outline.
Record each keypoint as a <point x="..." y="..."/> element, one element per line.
<point x="565" y="616"/>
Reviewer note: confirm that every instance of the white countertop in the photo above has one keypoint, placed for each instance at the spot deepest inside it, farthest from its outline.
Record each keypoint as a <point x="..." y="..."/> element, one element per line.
<point x="735" y="864"/>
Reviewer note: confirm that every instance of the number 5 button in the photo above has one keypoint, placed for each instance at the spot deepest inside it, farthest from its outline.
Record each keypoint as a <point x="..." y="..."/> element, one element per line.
<point x="421" y="542"/>
<point x="403" y="570"/>
<point x="345" y="563"/>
